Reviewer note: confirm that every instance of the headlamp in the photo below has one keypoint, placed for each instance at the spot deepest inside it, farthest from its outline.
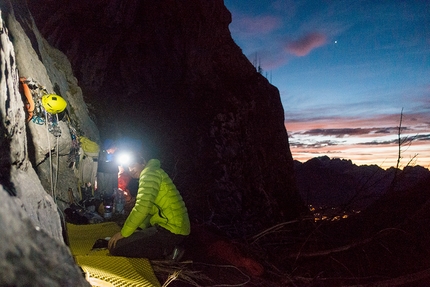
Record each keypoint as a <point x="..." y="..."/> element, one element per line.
<point x="124" y="159"/>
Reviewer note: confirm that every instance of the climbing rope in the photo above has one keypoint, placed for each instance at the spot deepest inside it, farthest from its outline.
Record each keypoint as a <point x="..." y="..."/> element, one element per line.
<point x="53" y="181"/>
<point x="50" y="158"/>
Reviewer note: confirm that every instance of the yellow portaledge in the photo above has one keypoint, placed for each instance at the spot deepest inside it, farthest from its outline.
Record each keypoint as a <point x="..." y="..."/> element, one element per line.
<point x="101" y="268"/>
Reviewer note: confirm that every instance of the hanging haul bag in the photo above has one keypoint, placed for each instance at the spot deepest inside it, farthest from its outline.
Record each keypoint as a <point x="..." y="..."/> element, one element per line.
<point x="87" y="169"/>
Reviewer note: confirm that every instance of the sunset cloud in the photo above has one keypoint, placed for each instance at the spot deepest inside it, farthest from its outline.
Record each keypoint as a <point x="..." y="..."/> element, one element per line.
<point x="339" y="132"/>
<point x="306" y="44"/>
<point x="361" y="139"/>
<point x="422" y="137"/>
<point x="345" y="132"/>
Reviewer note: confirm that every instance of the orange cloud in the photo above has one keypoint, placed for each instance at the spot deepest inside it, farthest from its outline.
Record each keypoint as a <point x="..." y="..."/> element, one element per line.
<point x="306" y="44"/>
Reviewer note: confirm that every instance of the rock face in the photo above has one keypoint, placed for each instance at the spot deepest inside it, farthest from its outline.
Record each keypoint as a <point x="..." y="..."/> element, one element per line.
<point x="169" y="72"/>
<point x="36" y="59"/>
<point x="32" y="251"/>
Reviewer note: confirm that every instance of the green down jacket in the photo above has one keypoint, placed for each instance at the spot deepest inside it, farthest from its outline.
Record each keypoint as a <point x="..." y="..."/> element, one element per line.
<point x="157" y="202"/>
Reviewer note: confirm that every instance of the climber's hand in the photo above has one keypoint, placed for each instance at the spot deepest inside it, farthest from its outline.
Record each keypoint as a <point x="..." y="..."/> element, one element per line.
<point x="114" y="239"/>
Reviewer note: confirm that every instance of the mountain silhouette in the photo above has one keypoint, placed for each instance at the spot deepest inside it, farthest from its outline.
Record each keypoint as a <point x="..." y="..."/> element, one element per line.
<point x="327" y="183"/>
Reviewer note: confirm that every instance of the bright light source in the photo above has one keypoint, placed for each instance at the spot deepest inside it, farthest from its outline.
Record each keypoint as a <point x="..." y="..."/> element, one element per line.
<point x="124" y="159"/>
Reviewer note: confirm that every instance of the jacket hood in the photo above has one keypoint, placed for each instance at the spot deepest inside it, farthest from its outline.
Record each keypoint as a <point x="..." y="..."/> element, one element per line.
<point x="153" y="163"/>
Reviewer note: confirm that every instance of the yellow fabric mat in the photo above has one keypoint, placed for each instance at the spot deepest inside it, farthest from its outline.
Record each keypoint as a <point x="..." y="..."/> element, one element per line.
<point x="119" y="271"/>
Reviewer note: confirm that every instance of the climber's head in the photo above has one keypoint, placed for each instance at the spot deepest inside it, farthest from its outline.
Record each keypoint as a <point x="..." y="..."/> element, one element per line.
<point x="136" y="163"/>
<point x="109" y="146"/>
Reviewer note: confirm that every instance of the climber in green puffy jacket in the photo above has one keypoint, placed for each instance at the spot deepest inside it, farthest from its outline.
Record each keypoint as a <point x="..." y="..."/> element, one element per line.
<point x="159" y="221"/>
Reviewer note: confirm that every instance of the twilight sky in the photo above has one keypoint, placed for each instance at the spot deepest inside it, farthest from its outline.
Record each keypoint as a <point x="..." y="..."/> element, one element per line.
<point x="345" y="70"/>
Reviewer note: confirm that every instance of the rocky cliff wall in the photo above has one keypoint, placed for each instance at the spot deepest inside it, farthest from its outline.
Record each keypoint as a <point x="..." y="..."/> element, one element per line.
<point x="50" y="68"/>
<point x="169" y="72"/>
<point x="32" y="252"/>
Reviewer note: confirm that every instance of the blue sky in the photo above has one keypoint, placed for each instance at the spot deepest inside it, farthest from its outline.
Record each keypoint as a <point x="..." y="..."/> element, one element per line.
<point x="345" y="71"/>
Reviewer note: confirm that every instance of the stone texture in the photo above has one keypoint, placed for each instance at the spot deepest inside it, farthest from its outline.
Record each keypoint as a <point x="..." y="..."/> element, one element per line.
<point x="29" y="256"/>
<point x="169" y="72"/>
<point x="36" y="59"/>
<point x="32" y="252"/>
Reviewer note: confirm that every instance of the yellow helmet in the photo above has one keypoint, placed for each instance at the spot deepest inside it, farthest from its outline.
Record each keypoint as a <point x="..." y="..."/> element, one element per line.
<point x="53" y="103"/>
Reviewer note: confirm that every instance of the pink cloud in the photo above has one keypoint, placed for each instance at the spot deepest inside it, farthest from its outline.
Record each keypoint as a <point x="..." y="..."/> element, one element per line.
<point x="307" y="43"/>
